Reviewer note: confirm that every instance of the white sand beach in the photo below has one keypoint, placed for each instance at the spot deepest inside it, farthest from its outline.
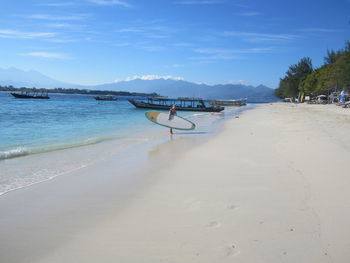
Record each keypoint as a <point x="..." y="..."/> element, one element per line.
<point x="272" y="186"/>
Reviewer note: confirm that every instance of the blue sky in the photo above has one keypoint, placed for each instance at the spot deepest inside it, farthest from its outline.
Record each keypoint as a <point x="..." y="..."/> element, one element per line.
<point x="203" y="41"/>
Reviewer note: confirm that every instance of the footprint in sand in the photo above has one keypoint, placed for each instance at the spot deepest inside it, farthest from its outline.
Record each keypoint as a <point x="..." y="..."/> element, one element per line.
<point x="214" y="224"/>
<point x="231" y="251"/>
<point x="232" y="207"/>
<point x="193" y="205"/>
<point x="196" y="206"/>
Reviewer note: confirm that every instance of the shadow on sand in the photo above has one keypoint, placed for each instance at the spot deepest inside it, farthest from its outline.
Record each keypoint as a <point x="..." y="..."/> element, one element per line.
<point x="190" y="133"/>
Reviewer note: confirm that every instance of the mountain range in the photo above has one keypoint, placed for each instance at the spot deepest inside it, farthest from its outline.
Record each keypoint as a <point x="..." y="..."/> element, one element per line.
<point x="165" y="87"/>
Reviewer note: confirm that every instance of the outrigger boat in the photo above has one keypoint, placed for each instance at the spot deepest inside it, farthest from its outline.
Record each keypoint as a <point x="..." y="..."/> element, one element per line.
<point x="105" y="98"/>
<point x="182" y="104"/>
<point x="27" y="95"/>
<point x="241" y="102"/>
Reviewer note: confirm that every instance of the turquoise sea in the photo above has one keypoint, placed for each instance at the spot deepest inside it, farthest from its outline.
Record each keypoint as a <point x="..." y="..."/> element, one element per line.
<point x="30" y="128"/>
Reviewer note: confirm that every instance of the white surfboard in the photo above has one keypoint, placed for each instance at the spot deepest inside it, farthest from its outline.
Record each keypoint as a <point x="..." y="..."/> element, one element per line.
<point x="162" y="118"/>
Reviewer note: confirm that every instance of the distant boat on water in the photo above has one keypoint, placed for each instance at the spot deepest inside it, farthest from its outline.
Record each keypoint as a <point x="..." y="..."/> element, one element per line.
<point x="240" y="102"/>
<point x="28" y="95"/>
<point x="105" y="98"/>
<point x="182" y="104"/>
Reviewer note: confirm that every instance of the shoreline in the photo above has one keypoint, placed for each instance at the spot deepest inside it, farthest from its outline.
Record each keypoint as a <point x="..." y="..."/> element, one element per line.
<point x="50" y="161"/>
<point x="251" y="193"/>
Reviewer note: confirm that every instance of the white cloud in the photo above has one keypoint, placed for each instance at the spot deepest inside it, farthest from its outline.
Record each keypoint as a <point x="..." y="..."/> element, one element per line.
<point x="156" y="36"/>
<point x="64" y="27"/>
<point x="62" y="40"/>
<point x="223" y="51"/>
<point x="176" y="65"/>
<point x="152" y="31"/>
<point x="238" y="81"/>
<point x="130" y="30"/>
<point x="8" y="33"/>
<point x="210" y="55"/>
<point x="198" y="2"/>
<point x="320" y="30"/>
<point x="260" y="37"/>
<point x="149" y="47"/>
<point x="213" y="58"/>
<point x="211" y="51"/>
<point x="150" y="77"/>
<point x="110" y="3"/>
<point x="250" y="14"/>
<point x="59" y="25"/>
<point x="58" y="18"/>
<point x="46" y="55"/>
<point x="125" y="44"/>
<point x="144" y="45"/>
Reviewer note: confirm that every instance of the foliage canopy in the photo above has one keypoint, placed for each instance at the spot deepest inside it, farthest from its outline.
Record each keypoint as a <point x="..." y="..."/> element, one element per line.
<point x="335" y="73"/>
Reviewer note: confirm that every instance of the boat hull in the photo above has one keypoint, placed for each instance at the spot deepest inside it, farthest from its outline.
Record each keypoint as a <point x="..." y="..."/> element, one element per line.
<point x="26" y="96"/>
<point x="144" y="105"/>
<point x="108" y="99"/>
<point x="219" y="103"/>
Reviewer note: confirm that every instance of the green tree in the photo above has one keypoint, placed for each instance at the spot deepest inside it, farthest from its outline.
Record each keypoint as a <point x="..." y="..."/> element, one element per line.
<point x="331" y="57"/>
<point x="289" y="86"/>
<point x="342" y="71"/>
<point x="334" y="73"/>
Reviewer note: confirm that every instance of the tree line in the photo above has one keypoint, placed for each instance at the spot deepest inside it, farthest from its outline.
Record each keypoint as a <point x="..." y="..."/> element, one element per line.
<point x="78" y="91"/>
<point x="333" y="75"/>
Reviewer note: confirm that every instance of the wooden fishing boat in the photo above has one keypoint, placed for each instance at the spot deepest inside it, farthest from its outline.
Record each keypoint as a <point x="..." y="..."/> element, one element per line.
<point x="27" y="95"/>
<point x="182" y="104"/>
<point x="240" y="102"/>
<point x="105" y="98"/>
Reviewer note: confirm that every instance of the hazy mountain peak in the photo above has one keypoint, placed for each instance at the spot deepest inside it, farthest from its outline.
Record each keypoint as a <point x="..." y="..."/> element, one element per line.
<point x="150" y="77"/>
<point x="28" y="78"/>
<point x="164" y="85"/>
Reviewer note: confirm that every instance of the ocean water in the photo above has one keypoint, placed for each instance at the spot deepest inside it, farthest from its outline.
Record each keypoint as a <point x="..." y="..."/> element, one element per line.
<point x="42" y="139"/>
<point x="33" y="126"/>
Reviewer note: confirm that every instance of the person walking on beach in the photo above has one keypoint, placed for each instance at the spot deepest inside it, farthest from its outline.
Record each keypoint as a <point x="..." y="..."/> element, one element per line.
<point x="172" y="113"/>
